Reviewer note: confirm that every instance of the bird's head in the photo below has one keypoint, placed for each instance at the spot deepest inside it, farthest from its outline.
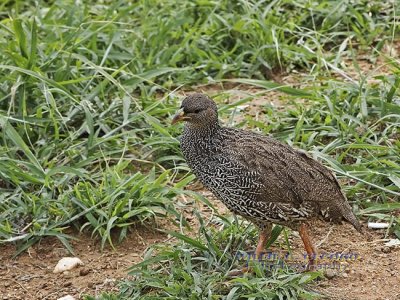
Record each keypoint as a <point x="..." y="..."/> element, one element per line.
<point x="197" y="109"/>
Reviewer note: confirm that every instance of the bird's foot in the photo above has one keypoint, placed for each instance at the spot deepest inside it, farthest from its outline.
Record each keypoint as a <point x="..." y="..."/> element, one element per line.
<point x="311" y="266"/>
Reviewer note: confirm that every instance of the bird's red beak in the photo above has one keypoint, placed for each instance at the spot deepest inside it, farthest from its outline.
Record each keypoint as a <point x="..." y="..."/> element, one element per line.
<point x="180" y="117"/>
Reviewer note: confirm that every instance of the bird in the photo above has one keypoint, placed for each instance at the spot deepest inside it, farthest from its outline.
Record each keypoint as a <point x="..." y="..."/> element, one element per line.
<point x="258" y="177"/>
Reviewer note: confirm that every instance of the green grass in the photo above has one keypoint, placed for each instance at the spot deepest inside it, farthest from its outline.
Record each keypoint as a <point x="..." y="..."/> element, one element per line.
<point x="87" y="91"/>
<point x="197" y="268"/>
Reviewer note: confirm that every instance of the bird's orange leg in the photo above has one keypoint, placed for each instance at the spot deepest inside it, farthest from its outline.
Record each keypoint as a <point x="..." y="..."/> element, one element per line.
<point x="308" y="246"/>
<point x="263" y="237"/>
<point x="264" y="234"/>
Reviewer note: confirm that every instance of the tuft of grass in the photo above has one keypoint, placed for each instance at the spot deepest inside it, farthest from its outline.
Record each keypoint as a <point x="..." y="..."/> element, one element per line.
<point x="198" y="267"/>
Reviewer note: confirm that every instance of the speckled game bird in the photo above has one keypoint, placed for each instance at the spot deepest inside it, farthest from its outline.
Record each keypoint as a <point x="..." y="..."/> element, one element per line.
<point x="258" y="177"/>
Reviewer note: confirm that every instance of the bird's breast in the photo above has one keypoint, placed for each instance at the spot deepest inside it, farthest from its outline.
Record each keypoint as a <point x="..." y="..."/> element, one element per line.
<point x="197" y="148"/>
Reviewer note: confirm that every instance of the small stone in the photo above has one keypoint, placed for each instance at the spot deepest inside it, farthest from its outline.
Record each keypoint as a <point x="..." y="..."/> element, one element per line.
<point x="386" y="249"/>
<point x="329" y="273"/>
<point x="345" y="275"/>
<point x="67" y="274"/>
<point x="68" y="297"/>
<point x="109" y="282"/>
<point x="67" y="263"/>
<point x="67" y="284"/>
<point x="84" y="272"/>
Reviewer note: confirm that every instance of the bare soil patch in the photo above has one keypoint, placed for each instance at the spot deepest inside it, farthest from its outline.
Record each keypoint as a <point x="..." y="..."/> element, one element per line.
<point x="30" y="275"/>
<point x="375" y="275"/>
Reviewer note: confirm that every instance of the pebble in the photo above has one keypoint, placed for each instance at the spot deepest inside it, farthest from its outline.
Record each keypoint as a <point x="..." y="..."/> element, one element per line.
<point x="67" y="263"/>
<point x="109" y="282"/>
<point x="84" y="272"/>
<point x="329" y="273"/>
<point x="67" y="274"/>
<point x="68" y="297"/>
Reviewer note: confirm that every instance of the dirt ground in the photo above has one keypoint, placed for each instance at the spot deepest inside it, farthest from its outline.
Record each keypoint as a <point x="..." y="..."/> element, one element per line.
<point x="375" y="274"/>
<point x="30" y="275"/>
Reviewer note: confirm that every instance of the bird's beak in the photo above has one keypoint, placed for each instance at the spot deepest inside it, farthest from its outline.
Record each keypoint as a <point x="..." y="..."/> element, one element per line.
<point x="179" y="117"/>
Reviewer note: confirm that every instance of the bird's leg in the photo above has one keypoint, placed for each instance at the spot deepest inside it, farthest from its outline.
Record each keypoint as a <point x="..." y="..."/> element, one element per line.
<point x="308" y="246"/>
<point x="264" y="235"/>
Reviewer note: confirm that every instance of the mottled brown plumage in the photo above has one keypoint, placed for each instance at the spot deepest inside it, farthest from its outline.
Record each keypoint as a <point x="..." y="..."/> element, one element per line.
<point x="256" y="176"/>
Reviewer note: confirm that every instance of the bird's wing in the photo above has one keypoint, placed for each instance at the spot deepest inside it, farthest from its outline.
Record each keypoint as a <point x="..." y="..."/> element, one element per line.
<point x="287" y="174"/>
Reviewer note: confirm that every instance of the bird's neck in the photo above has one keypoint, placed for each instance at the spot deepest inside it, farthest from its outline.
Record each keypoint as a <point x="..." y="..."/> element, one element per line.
<point x="198" y="144"/>
<point x="201" y="130"/>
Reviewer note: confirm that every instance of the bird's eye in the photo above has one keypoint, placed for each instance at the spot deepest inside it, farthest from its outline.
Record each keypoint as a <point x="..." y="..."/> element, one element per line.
<point x="197" y="111"/>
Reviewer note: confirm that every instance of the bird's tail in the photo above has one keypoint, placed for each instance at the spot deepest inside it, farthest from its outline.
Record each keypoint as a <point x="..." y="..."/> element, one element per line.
<point x="348" y="215"/>
<point x="352" y="219"/>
